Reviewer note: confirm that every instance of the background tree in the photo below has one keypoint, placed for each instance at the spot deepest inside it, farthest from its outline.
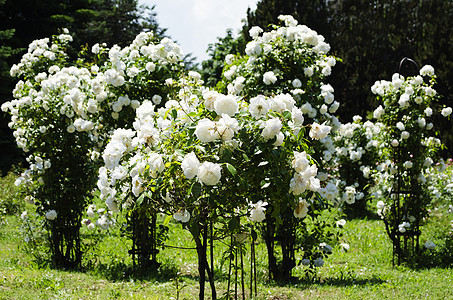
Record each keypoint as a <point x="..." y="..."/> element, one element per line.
<point x="212" y="69"/>
<point x="312" y="13"/>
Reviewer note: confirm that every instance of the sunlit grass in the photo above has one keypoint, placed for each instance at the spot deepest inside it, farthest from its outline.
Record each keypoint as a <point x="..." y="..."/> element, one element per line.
<point x="365" y="271"/>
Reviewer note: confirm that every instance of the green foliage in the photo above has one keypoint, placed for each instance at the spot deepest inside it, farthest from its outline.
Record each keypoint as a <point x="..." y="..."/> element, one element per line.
<point x="211" y="71"/>
<point x="11" y="198"/>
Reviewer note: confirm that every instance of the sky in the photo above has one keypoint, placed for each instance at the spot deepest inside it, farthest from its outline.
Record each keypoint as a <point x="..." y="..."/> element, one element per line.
<point x="195" y="24"/>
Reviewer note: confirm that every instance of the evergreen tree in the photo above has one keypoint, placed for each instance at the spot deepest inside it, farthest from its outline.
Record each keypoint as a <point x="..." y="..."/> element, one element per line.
<point x="312" y="13"/>
<point x="212" y="68"/>
<point x="10" y="151"/>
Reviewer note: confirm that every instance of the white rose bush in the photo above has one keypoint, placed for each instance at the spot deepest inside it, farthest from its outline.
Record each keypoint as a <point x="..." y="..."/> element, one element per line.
<point x="62" y="115"/>
<point x="356" y="151"/>
<point x="408" y="146"/>
<point x="290" y="64"/>
<point x="142" y="72"/>
<point x="52" y="118"/>
<point x="214" y="164"/>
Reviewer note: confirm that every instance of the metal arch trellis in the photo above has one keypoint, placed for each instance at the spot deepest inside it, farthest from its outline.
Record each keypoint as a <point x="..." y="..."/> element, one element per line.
<point x="144" y="240"/>
<point x="404" y="195"/>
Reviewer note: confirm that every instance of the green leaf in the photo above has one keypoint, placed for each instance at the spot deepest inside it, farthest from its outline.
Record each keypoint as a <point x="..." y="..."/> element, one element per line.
<point x="231" y="169"/>
<point x="194" y="229"/>
<point x="287" y="114"/>
<point x="246" y="158"/>
<point x="174" y="114"/>
<point x="140" y="199"/>
<point x="233" y="224"/>
<point x="167" y="220"/>
<point x="201" y="148"/>
<point x="196" y="189"/>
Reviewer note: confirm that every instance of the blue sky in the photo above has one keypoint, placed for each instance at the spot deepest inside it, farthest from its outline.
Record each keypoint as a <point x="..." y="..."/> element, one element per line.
<point x="196" y="23"/>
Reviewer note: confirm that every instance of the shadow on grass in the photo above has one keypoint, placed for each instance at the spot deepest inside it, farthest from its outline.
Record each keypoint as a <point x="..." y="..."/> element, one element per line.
<point x="342" y="280"/>
<point x="120" y="271"/>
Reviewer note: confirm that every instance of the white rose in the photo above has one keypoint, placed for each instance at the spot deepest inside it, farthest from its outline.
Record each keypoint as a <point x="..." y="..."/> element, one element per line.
<point x="300" y="162"/>
<point x="395" y="143"/>
<point x="51" y="215"/>
<point x="269" y="78"/>
<point x="137" y="185"/>
<point x="206" y="131"/>
<point x="378" y="112"/>
<point x="297" y="116"/>
<point x="209" y="173"/>
<point x="296" y="83"/>
<point x="156" y="164"/>
<point x="257" y="213"/>
<point x="150" y="67"/>
<point x="408" y="164"/>
<point x="446" y="111"/>
<point x="319" y="131"/>
<point x="271" y="128"/>
<point x="259" y="106"/>
<point x="227" y="127"/>
<point x="308" y="71"/>
<point x="182" y="215"/>
<point x="226" y="104"/>
<point x="190" y="165"/>
<point x="427" y="70"/>
<point x="301" y="209"/>
<point x="209" y="99"/>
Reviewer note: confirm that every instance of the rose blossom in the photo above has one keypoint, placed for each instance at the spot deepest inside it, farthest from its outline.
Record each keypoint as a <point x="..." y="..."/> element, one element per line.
<point x="190" y="165"/>
<point x="319" y="131"/>
<point x="209" y="173"/>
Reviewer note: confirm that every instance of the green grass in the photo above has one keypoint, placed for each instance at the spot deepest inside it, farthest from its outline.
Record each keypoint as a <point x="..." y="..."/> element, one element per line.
<point x="364" y="272"/>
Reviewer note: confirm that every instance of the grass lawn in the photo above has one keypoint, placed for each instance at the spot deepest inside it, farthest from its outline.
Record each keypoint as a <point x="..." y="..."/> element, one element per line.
<point x="364" y="272"/>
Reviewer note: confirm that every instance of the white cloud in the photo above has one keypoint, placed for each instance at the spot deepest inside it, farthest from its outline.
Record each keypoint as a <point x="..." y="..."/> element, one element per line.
<point x="196" y="23"/>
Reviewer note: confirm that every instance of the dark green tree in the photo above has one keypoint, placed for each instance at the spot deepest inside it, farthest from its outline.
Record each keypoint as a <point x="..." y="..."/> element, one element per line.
<point x="10" y="152"/>
<point x="212" y="68"/>
<point x="312" y="13"/>
<point x="373" y="37"/>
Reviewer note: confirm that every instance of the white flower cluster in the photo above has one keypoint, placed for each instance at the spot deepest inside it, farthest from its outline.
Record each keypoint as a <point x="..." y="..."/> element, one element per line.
<point x="291" y="40"/>
<point x="104" y="219"/>
<point x="135" y="157"/>
<point x="305" y="175"/>
<point x="356" y="149"/>
<point x="207" y="172"/>
<point x="39" y="50"/>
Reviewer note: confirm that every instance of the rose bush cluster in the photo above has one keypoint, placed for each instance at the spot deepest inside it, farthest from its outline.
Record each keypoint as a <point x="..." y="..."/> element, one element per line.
<point x="63" y="113"/>
<point x="408" y="145"/>
<point x="263" y="150"/>
<point x="356" y="151"/>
